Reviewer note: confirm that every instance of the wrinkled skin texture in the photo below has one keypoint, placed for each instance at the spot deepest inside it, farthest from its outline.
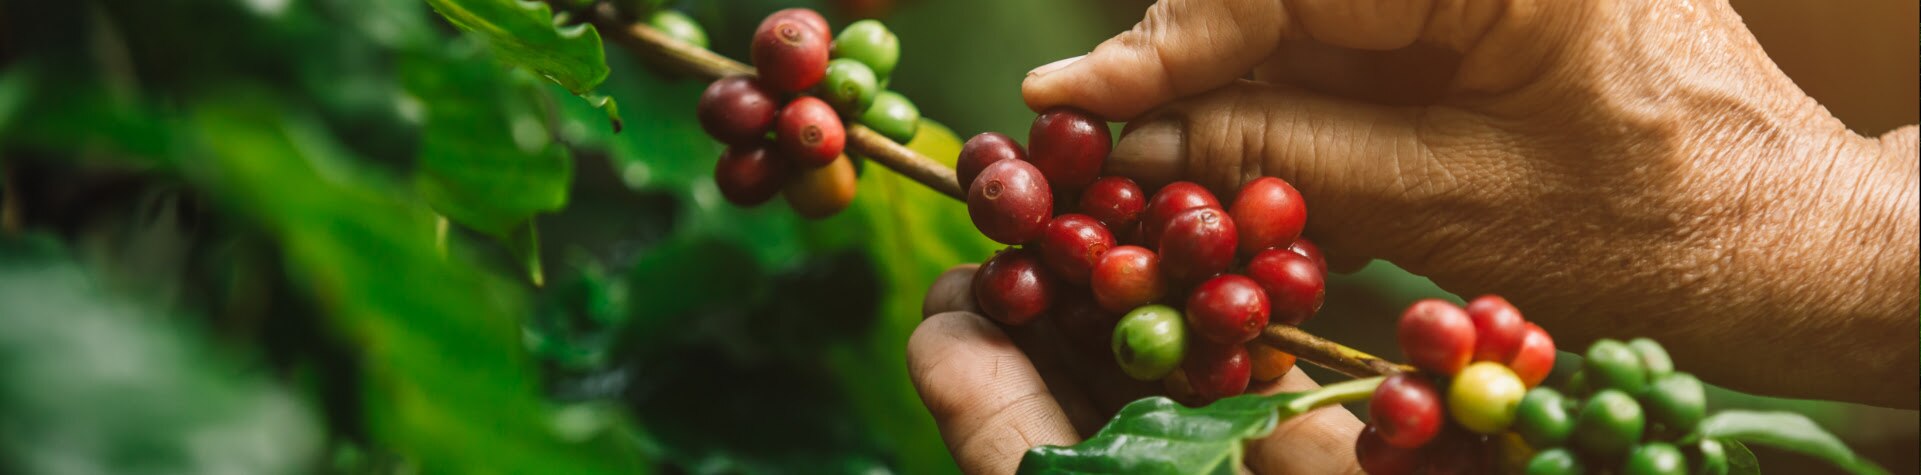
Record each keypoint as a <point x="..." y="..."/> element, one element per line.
<point x="1629" y="168"/>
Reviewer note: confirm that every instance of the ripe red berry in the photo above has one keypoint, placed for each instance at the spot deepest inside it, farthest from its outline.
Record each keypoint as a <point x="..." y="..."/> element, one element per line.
<point x="1127" y="277"/>
<point x="1269" y="214"/>
<point x="750" y="175"/>
<point x="1011" y="287"/>
<point x="1069" y="145"/>
<point x="1197" y="244"/>
<point x="1437" y="336"/>
<point x="1010" y="202"/>
<point x="1117" y="202"/>
<point x="983" y="150"/>
<point x="1269" y="363"/>
<point x="1229" y="309"/>
<point x="1089" y="327"/>
<point x="1377" y="457"/>
<point x="1295" y="287"/>
<point x="1217" y="371"/>
<point x="804" y="15"/>
<point x="1535" y="359"/>
<point x="1498" y="328"/>
<point x="1171" y="200"/>
<point x="790" y="53"/>
<point x="1307" y="249"/>
<point x="809" y="133"/>
<point x="1405" y="411"/>
<point x="737" y="111"/>
<point x="1072" y="244"/>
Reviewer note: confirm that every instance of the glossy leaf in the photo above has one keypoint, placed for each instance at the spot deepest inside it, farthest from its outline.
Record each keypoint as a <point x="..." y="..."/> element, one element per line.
<point x="1784" y="430"/>
<point x="522" y="33"/>
<point x="486" y="158"/>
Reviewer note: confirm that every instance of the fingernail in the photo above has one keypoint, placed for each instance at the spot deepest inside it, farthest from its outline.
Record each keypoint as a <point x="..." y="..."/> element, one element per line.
<point x="1153" y="153"/>
<point x="1054" y="66"/>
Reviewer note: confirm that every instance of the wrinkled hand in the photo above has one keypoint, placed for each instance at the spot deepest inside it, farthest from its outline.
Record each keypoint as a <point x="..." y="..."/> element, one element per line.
<point x="996" y="393"/>
<point x="1623" y="168"/>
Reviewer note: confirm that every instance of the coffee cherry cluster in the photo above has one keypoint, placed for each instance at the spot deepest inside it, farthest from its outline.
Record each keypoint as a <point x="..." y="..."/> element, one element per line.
<point x="785" y="127"/>
<point x="1180" y="285"/>
<point x="1637" y="408"/>
<point x="1476" y="365"/>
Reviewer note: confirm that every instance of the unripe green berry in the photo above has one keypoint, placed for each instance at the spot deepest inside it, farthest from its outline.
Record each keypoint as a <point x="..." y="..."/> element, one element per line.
<point x="1675" y="404"/>
<point x="1150" y="341"/>
<point x="1612" y="364"/>
<point x="849" y="86"/>
<point x="1653" y="357"/>
<point x="1543" y="419"/>
<point x="1609" y="424"/>
<point x="1655" y="458"/>
<point x="869" y="42"/>
<point x="1554" y="462"/>
<point x="893" y="116"/>
<point x="1710" y="458"/>
<point x="678" y="26"/>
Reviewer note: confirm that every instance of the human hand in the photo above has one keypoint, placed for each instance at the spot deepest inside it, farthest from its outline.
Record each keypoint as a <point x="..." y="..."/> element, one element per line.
<point x="997" y="392"/>
<point x="1622" y="168"/>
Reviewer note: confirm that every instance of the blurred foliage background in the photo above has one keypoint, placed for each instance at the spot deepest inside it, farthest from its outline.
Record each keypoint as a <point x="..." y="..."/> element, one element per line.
<point x="295" y="236"/>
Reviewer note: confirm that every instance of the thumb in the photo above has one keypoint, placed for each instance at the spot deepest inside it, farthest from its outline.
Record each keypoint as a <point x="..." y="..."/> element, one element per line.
<point x="1365" y="170"/>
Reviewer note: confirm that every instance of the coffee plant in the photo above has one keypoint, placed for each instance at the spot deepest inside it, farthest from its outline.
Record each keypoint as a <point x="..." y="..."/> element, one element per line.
<point x="1199" y="290"/>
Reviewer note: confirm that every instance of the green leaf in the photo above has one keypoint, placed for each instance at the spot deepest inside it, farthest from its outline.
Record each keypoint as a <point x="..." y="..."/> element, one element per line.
<point x="1158" y="435"/>
<point x="1785" y="430"/>
<point x="1741" y="461"/>
<point x="94" y="382"/>
<point x="487" y="159"/>
<point x="523" y="33"/>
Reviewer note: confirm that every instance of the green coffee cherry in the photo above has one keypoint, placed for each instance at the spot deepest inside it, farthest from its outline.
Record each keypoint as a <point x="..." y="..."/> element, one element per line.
<point x="1611" y="364"/>
<point x="1543" y="419"/>
<point x="1484" y="396"/>
<point x="1675" y="404"/>
<point x="869" y="42"/>
<point x="1608" y="425"/>
<point x="1150" y="341"/>
<point x="1655" y="458"/>
<point x="1554" y="462"/>
<point x="1653" y="357"/>
<point x="849" y="87"/>
<point x="1710" y="458"/>
<point x="1576" y="385"/>
<point x="678" y="26"/>
<point x="893" y="116"/>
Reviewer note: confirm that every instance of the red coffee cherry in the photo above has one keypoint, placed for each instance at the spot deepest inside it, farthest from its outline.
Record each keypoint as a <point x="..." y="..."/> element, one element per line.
<point x="1377" y="457"/>
<point x="804" y="15"/>
<point x="1010" y="202"/>
<point x="1437" y="336"/>
<point x="1127" y="277"/>
<point x="1171" y="200"/>
<point x="750" y="175"/>
<point x="1069" y="145"/>
<point x="1228" y="310"/>
<point x="1269" y="214"/>
<point x="1117" y="202"/>
<point x="1217" y="371"/>
<point x="1295" y="287"/>
<point x="737" y="111"/>
<point x="1498" y="328"/>
<point x="1072" y="244"/>
<point x="1089" y="327"/>
<point x="1406" y="411"/>
<point x="790" y="53"/>
<point x="1535" y="358"/>
<point x="809" y="133"/>
<point x="1307" y="249"/>
<point x="1197" y="244"/>
<point x="1270" y="364"/>
<point x="1457" y="452"/>
<point x="983" y="150"/>
<point x="1011" y="287"/>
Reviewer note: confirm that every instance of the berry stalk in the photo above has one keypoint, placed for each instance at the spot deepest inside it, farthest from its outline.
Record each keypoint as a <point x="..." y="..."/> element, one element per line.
<point x="685" y="58"/>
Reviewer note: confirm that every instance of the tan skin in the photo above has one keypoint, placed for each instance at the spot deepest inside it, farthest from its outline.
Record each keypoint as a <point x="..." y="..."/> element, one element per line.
<point x="1624" y="168"/>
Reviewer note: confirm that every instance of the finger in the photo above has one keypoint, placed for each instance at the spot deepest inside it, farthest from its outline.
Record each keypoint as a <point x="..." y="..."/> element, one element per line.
<point x="1320" y="441"/>
<point x="1182" y="47"/>
<point x="953" y="291"/>
<point x="1364" y="169"/>
<point x="990" y="404"/>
